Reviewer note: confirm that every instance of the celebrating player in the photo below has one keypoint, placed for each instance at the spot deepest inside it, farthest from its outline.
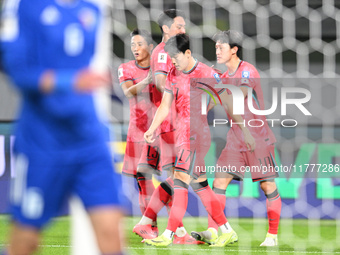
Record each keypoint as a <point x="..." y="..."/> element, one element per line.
<point x="191" y="143"/>
<point x="235" y="153"/>
<point x="61" y="146"/>
<point x="136" y="82"/>
<point x="171" y="22"/>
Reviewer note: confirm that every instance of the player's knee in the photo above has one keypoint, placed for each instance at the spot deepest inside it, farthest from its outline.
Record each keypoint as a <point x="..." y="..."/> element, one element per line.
<point x="144" y="170"/>
<point x="221" y="183"/>
<point x="184" y="177"/>
<point x="196" y="186"/>
<point x="108" y="235"/>
<point x="268" y="187"/>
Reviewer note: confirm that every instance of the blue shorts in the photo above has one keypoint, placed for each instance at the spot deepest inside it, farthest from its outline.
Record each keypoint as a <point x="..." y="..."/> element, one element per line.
<point x="44" y="183"/>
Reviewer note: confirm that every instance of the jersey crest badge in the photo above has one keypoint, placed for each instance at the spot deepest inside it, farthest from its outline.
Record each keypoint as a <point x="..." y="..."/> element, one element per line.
<point x="246" y="74"/>
<point x="87" y="18"/>
<point x="245" y="77"/>
<point x="162" y="58"/>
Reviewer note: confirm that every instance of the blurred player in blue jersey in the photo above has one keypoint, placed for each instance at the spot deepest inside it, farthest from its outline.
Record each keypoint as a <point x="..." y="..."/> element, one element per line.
<point x="61" y="146"/>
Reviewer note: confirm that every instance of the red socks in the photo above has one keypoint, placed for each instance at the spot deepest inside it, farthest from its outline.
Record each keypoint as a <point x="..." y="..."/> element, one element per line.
<point x="273" y="211"/>
<point x="159" y="198"/>
<point x="210" y="202"/>
<point x="179" y="205"/>
<point x="220" y="194"/>
<point x="146" y="188"/>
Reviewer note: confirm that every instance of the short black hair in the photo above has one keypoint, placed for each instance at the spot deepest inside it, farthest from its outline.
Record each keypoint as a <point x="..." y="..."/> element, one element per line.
<point x="176" y="44"/>
<point x="167" y="17"/>
<point x="144" y="33"/>
<point x="231" y="37"/>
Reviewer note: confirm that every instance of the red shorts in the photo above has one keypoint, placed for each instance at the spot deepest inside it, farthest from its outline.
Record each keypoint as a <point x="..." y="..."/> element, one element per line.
<point x="132" y="155"/>
<point x="190" y="159"/>
<point x="160" y="154"/>
<point x="168" y="154"/>
<point x="260" y="163"/>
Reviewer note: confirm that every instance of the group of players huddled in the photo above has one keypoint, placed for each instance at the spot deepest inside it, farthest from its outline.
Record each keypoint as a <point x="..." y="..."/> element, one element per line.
<point x="168" y="132"/>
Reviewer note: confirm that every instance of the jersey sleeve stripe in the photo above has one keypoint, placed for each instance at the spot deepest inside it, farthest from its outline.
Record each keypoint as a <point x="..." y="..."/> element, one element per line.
<point x="220" y="91"/>
<point x="125" y="81"/>
<point x="168" y="90"/>
<point x="161" y="72"/>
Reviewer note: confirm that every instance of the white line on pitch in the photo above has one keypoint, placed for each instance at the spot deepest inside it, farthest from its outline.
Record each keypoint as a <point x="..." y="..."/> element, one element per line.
<point x="233" y="250"/>
<point x="172" y="248"/>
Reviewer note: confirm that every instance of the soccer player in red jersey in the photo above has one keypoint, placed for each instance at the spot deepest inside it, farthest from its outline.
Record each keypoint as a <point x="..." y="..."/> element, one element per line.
<point x="192" y="136"/>
<point x="171" y="22"/>
<point x="235" y="153"/>
<point x="136" y="82"/>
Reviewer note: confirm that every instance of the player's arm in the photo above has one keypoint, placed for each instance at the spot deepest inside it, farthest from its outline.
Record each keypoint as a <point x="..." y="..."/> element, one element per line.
<point x="161" y="113"/>
<point x="211" y="105"/>
<point x="227" y="101"/>
<point x="160" y="80"/>
<point x="131" y="90"/>
<point x="20" y="61"/>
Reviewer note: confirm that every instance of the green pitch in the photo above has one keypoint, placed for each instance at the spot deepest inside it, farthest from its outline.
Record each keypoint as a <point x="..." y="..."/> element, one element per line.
<point x="295" y="237"/>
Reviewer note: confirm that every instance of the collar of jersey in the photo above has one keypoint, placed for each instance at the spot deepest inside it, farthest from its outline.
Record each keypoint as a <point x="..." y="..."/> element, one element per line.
<point x="231" y="74"/>
<point x="144" y="68"/>
<point x="67" y="4"/>
<point x="193" y="68"/>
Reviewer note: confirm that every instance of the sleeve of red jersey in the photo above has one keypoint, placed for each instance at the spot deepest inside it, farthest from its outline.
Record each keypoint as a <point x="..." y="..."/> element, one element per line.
<point x="163" y="64"/>
<point x="216" y="79"/>
<point x="168" y="83"/>
<point x="124" y="74"/>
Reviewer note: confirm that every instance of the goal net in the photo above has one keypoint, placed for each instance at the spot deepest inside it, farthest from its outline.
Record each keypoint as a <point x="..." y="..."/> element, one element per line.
<point x="293" y="44"/>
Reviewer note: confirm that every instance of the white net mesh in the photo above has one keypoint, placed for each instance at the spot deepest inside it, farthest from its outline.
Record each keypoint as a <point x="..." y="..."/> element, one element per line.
<point x="293" y="44"/>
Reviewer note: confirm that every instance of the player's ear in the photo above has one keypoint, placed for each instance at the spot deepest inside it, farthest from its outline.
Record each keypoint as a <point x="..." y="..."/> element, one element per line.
<point x="234" y="50"/>
<point x="150" y="47"/>
<point x="166" y="29"/>
<point x="187" y="53"/>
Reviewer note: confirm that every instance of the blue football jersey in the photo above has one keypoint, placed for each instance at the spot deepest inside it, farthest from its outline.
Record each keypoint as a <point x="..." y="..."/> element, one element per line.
<point x="51" y="34"/>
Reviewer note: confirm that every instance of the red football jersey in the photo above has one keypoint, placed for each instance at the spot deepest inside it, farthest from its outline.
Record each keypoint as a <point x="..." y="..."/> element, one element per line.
<point x="161" y="64"/>
<point x="247" y="75"/>
<point x="141" y="106"/>
<point x="191" y="125"/>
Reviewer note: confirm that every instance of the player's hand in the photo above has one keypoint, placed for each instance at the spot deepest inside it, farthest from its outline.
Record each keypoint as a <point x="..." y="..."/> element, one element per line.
<point x="88" y="80"/>
<point x="148" y="78"/>
<point x="249" y="140"/>
<point x="148" y="136"/>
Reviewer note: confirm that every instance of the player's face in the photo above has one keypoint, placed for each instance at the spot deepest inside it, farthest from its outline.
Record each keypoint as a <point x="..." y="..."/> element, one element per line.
<point x="223" y="52"/>
<point x="181" y="61"/>
<point x="140" y="48"/>
<point x="178" y="27"/>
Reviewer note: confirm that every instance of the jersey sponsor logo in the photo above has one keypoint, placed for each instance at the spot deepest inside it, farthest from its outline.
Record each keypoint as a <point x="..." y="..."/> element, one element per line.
<point x="173" y="83"/>
<point x="162" y="58"/>
<point x="246" y="74"/>
<point x="217" y="77"/>
<point x="87" y="18"/>
<point x="50" y="16"/>
<point x="120" y="72"/>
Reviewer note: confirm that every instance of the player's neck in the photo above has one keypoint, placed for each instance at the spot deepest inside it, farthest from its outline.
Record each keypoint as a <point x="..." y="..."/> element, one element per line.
<point x="143" y="63"/>
<point x="191" y="65"/>
<point x="165" y="37"/>
<point x="233" y="65"/>
<point x="68" y="3"/>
